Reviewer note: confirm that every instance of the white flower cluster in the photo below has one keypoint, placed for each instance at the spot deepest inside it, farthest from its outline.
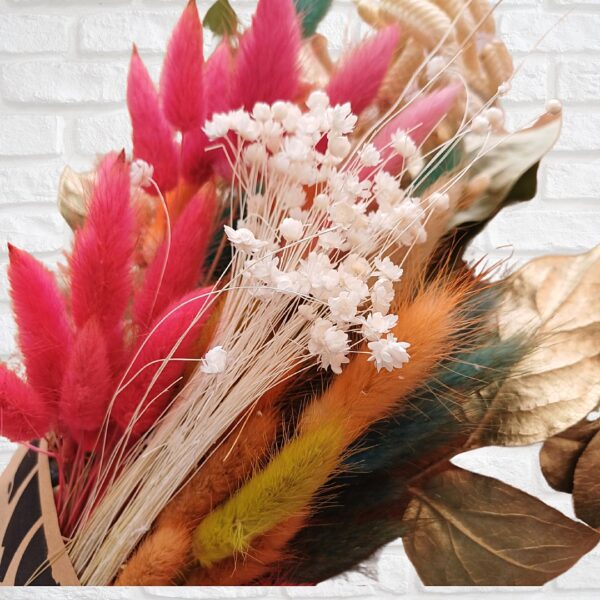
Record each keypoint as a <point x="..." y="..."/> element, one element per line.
<point x="319" y="221"/>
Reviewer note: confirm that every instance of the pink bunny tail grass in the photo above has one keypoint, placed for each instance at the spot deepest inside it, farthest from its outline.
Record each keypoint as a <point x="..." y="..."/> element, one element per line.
<point x="87" y="384"/>
<point x="101" y="261"/>
<point x="44" y="331"/>
<point x="267" y="60"/>
<point x="358" y="78"/>
<point x="218" y="73"/>
<point x="152" y="135"/>
<point x="419" y="119"/>
<point x="24" y="415"/>
<point x="189" y="243"/>
<point x="218" y="70"/>
<point x="181" y="85"/>
<point x="141" y="402"/>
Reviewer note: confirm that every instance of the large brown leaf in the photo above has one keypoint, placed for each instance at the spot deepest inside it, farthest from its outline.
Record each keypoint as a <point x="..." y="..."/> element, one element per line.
<point x="557" y="298"/>
<point x="560" y="453"/>
<point x="586" y="484"/>
<point x="467" y="529"/>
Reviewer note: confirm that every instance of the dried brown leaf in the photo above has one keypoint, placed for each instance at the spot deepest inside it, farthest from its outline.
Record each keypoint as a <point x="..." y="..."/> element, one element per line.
<point x="560" y="453"/>
<point x="467" y="529"/>
<point x="586" y="484"/>
<point x="556" y="298"/>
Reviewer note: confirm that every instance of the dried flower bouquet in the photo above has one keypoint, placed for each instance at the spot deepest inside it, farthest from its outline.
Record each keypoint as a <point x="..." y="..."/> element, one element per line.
<point x="265" y="346"/>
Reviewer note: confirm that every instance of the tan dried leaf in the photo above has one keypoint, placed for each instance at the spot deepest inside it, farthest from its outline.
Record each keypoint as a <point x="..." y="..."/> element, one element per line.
<point x="73" y="192"/>
<point x="586" y="484"/>
<point x="556" y="298"/>
<point x="467" y="529"/>
<point x="560" y="453"/>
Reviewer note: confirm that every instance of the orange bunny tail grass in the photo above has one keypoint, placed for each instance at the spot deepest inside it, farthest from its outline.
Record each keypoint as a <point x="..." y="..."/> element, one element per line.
<point x="267" y="550"/>
<point x="428" y="322"/>
<point x="155" y="563"/>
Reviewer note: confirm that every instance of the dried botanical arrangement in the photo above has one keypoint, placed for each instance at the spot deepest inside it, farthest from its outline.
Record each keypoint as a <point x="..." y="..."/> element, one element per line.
<point x="265" y="347"/>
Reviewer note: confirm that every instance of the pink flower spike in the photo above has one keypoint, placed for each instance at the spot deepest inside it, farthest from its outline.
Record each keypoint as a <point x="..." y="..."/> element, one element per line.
<point x="218" y="72"/>
<point x="44" y="331"/>
<point x="152" y="135"/>
<point x="267" y="60"/>
<point x="87" y="384"/>
<point x="358" y="78"/>
<point x="181" y="86"/>
<point x="24" y="416"/>
<point x="141" y="402"/>
<point x="418" y="119"/>
<point x="101" y="261"/>
<point x="189" y="242"/>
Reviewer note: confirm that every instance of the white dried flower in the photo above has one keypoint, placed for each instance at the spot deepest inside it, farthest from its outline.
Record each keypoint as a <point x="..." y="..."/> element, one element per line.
<point x="439" y="201"/>
<point x="307" y="312"/>
<point x="140" y="173"/>
<point x="261" y="112"/>
<point x="344" y="307"/>
<point x="214" y="361"/>
<point x="480" y="125"/>
<point x="403" y="144"/>
<point x="317" y="101"/>
<point x="218" y="126"/>
<point x="243" y="239"/>
<point x="369" y="156"/>
<point x="291" y="229"/>
<point x="375" y="325"/>
<point x="382" y="295"/>
<point x="321" y="201"/>
<point x="386" y="268"/>
<point x="338" y="146"/>
<point x="389" y="353"/>
<point x="330" y="344"/>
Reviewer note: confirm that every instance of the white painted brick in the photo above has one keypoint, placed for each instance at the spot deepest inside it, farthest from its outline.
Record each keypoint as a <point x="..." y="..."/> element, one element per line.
<point x="117" y="31"/>
<point x="26" y="34"/>
<point x="39" y="230"/>
<point x="546" y="231"/>
<point x="585" y="575"/>
<point x="63" y="82"/>
<point x="530" y="82"/>
<point x="579" y="79"/>
<point x="572" y="178"/>
<point x="576" y="33"/>
<point x="30" y="135"/>
<point x="33" y="183"/>
<point x="581" y="129"/>
<point x="99" y="134"/>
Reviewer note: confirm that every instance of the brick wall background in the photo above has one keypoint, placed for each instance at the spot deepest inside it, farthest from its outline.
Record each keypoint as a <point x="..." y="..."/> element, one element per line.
<point x="62" y="84"/>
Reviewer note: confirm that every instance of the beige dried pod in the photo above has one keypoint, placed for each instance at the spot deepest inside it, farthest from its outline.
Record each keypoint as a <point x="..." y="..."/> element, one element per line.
<point x="400" y="73"/>
<point x="498" y="64"/>
<point x="74" y="189"/>
<point x="427" y="23"/>
<point x="482" y="15"/>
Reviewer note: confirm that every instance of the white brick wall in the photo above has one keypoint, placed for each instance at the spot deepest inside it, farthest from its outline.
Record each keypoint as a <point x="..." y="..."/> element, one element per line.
<point x="62" y="73"/>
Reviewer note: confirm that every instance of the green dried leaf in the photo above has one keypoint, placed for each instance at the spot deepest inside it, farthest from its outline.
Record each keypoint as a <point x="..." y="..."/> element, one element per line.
<point x="467" y="529"/>
<point x="312" y="12"/>
<point x="560" y="453"/>
<point x="221" y="19"/>
<point x="511" y="162"/>
<point x="586" y="484"/>
<point x="446" y="161"/>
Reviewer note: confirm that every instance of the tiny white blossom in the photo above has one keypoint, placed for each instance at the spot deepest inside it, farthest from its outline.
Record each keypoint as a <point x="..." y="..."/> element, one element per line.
<point x="214" y="361"/>
<point x="243" y="124"/>
<point x="369" y="156"/>
<point x="279" y="110"/>
<point x="261" y="111"/>
<point x="333" y="240"/>
<point x="344" y="307"/>
<point x="307" y="312"/>
<point x="218" y="126"/>
<point x="403" y="144"/>
<point x="386" y="268"/>
<point x="330" y="344"/>
<point x="243" y="239"/>
<point x="291" y="229"/>
<point x="480" y="125"/>
<point x="321" y="201"/>
<point x="322" y="277"/>
<point x="342" y="213"/>
<point x="340" y="119"/>
<point x="375" y="325"/>
<point x="389" y="353"/>
<point x="439" y="201"/>
<point x="255" y="155"/>
<point x="415" y="164"/>
<point x="291" y="282"/>
<point x="338" y="146"/>
<point x="317" y="101"/>
<point x="140" y="173"/>
<point x="382" y="294"/>
<point x="357" y="266"/>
